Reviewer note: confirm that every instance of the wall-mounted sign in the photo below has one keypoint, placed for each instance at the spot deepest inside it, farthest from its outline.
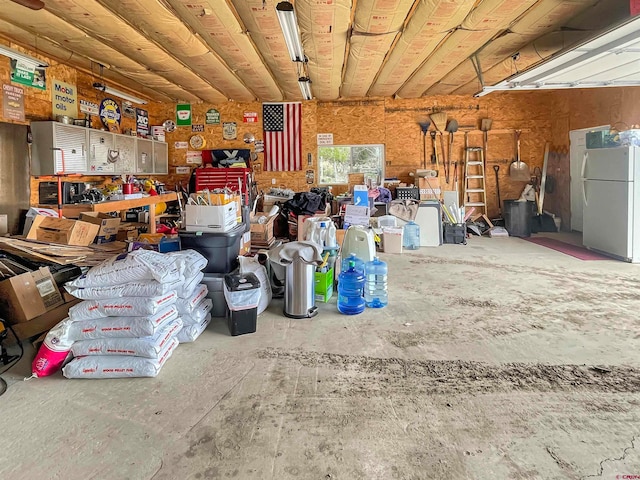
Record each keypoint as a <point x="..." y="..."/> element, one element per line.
<point x="180" y="145"/>
<point x="250" y="117"/>
<point x="229" y="131"/>
<point x="212" y="117"/>
<point x="182" y="170"/>
<point x="142" y="122"/>
<point x="194" y="157"/>
<point x="13" y="102"/>
<point x="110" y="114"/>
<point x="325" y="139"/>
<point x="128" y="110"/>
<point x="197" y="128"/>
<point x="90" y="108"/>
<point x="183" y="114"/>
<point x="28" y="74"/>
<point x="310" y="176"/>
<point x="64" y="98"/>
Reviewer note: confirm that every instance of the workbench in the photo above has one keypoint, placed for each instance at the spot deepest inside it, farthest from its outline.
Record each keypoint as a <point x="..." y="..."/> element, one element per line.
<point x="74" y="210"/>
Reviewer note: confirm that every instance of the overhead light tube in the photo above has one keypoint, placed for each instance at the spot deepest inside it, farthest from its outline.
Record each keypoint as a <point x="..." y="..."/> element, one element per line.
<point x="305" y="87"/>
<point x="118" y="93"/>
<point x="289" y="24"/>
<point x="21" y="57"/>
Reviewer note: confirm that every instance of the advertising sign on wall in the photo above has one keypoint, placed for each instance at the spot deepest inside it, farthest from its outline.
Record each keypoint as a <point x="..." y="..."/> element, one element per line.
<point x="28" y="74"/>
<point x="13" y="102"/>
<point x="64" y="98"/>
<point x="110" y="114"/>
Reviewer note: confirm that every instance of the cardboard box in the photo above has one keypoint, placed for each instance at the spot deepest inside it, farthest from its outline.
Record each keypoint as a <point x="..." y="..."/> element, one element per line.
<point x="127" y="233"/>
<point x="429" y="189"/>
<point x="262" y="232"/>
<point x="324" y="285"/>
<point x="108" y="225"/>
<point x="46" y="321"/>
<point x="28" y="295"/>
<point x="32" y="213"/>
<point x="245" y="244"/>
<point x="204" y="218"/>
<point x="62" y="231"/>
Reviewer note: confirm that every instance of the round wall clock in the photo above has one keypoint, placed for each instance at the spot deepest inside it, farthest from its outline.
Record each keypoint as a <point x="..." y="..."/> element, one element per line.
<point x="197" y="142"/>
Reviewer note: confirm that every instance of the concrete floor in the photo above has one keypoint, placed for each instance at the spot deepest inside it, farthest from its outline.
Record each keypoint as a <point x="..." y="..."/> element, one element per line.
<point x="482" y="367"/>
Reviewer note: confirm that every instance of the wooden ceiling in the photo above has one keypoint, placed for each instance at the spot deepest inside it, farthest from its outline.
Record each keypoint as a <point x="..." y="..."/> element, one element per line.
<point x="219" y="50"/>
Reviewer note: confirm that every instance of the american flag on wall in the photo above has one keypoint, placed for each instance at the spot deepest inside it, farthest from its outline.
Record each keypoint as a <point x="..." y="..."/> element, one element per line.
<point x="282" y="136"/>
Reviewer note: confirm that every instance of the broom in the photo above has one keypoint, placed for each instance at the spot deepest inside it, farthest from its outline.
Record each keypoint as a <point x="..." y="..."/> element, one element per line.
<point x="439" y="121"/>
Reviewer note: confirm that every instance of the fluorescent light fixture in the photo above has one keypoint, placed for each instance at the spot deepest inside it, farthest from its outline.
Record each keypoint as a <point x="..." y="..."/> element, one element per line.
<point x="118" y="93"/>
<point x="21" y="57"/>
<point x="305" y="87"/>
<point x="289" y="25"/>
<point x="611" y="59"/>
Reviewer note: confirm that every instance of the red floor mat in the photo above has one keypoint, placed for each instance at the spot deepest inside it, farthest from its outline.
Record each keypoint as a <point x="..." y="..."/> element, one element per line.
<point x="566" y="248"/>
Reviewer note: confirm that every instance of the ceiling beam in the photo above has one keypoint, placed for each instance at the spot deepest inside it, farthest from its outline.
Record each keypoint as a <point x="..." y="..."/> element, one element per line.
<point x="246" y="31"/>
<point x="387" y="55"/>
<point x="112" y="8"/>
<point x="347" y="47"/>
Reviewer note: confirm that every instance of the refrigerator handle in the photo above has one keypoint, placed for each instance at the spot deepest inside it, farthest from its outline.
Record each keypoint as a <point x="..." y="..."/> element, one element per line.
<point x="584" y="180"/>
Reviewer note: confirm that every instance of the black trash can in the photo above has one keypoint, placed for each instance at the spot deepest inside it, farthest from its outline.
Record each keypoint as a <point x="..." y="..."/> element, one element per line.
<point x="242" y="294"/>
<point x="517" y="217"/>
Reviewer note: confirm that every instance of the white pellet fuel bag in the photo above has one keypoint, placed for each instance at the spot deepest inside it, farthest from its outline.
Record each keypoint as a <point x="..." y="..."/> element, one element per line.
<point x="118" y="366"/>
<point x="200" y="311"/>
<point x="122" y="327"/>
<point x="188" y="285"/>
<point x="186" y="305"/>
<point x="121" y="307"/>
<point x="149" y="347"/>
<point x="190" y="331"/>
<point x="141" y="288"/>
<point x="131" y="267"/>
<point x="189" y="262"/>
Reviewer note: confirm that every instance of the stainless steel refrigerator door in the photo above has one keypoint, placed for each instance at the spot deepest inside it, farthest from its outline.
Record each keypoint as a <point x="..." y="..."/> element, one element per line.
<point x="608" y="210"/>
<point x="609" y="164"/>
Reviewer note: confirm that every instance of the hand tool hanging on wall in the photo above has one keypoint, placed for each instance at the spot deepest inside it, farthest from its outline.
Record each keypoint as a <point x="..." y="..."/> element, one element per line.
<point x="439" y="121"/>
<point x="496" y="168"/>
<point x="452" y="127"/>
<point x="424" y="126"/>
<point x="518" y="170"/>
<point x="485" y="126"/>
<point x="434" y="155"/>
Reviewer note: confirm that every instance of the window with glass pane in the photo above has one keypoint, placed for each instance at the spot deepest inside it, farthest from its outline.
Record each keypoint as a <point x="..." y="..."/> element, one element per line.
<point x="338" y="161"/>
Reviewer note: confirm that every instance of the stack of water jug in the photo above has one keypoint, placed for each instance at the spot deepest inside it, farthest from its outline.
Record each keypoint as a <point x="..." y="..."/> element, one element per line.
<point x="361" y="284"/>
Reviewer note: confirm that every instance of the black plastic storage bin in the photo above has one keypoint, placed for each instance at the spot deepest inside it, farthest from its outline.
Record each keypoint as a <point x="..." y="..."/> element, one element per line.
<point x="239" y="319"/>
<point x="220" y="249"/>
<point x="517" y="217"/>
<point x="455" y="233"/>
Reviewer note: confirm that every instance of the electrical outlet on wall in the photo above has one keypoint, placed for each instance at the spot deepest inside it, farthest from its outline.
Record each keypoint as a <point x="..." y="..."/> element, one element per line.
<point x="273" y="181"/>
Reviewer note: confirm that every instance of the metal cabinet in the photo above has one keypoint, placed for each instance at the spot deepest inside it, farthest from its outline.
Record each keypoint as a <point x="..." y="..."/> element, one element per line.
<point x="58" y="148"/>
<point x="126" y="145"/>
<point x="102" y="155"/>
<point x="160" y="158"/>
<point x="144" y="156"/>
<point x="61" y="148"/>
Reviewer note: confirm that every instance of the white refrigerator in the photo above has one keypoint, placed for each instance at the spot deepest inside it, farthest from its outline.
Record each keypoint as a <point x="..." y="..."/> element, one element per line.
<point x="611" y="202"/>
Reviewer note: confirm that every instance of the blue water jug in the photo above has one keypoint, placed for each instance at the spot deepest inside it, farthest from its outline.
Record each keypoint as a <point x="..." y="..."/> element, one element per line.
<point x="411" y="236"/>
<point x="357" y="263"/>
<point x="375" y="288"/>
<point x="350" y="291"/>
